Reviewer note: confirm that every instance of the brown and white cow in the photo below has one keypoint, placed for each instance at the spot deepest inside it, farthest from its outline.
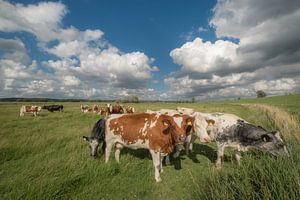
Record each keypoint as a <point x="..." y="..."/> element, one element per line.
<point x="157" y="132"/>
<point x="102" y="111"/>
<point x="30" y="109"/>
<point x="95" y="108"/>
<point x="84" y="108"/>
<point x="130" y="110"/>
<point x="114" y="109"/>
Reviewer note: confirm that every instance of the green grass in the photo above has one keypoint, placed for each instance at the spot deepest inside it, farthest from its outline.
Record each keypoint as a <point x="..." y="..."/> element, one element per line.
<point x="45" y="157"/>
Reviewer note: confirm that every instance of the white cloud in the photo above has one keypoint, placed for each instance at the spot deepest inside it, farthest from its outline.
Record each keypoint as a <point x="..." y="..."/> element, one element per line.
<point x="86" y="66"/>
<point x="265" y="53"/>
<point x="71" y="81"/>
<point x="42" y="19"/>
<point x="199" y="56"/>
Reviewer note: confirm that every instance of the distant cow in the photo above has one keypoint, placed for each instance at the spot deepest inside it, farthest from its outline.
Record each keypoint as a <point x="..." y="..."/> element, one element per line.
<point x="84" y="108"/>
<point x="102" y="111"/>
<point x="114" y="109"/>
<point x="30" y="109"/>
<point x="53" y="108"/>
<point x="95" y="108"/>
<point x="130" y="110"/>
<point x="244" y="136"/>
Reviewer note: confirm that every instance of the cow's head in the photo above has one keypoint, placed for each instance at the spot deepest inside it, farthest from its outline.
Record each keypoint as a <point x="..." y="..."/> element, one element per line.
<point x="272" y="143"/>
<point x="170" y="127"/>
<point x="259" y="138"/>
<point x="93" y="144"/>
<point x="200" y="127"/>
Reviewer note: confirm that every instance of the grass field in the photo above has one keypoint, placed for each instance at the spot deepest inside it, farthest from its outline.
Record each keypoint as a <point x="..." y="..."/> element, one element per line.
<point x="45" y="157"/>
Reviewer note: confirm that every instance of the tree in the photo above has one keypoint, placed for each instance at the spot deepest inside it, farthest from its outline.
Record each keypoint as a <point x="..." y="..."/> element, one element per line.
<point x="260" y="94"/>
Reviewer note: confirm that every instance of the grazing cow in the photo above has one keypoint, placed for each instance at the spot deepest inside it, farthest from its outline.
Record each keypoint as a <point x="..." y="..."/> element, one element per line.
<point x="30" y="109"/>
<point x="130" y="110"/>
<point x="156" y="132"/>
<point x="83" y="108"/>
<point x="53" y="108"/>
<point x="114" y="109"/>
<point x="244" y="136"/>
<point x="95" y="108"/>
<point x="102" y="111"/>
<point x="97" y="136"/>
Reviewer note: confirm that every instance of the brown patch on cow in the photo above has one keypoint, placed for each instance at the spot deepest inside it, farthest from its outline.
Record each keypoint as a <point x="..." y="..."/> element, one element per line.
<point x="31" y="108"/>
<point x="136" y="127"/>
<point x="210" y="122"/>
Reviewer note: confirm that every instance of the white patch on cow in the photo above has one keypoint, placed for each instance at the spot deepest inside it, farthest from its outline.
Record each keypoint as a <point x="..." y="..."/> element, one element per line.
<point x="153" y="123"/>
<point x="178" y="120"/>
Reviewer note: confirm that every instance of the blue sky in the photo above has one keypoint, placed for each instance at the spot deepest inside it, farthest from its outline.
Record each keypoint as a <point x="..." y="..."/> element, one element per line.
<point x="212" y="52"/>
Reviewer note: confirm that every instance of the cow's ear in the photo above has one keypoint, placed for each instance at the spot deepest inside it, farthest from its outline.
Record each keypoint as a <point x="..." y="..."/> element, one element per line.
<point x="85" y="138"/>
<point x="167" y="126"/>
<point x="189" y="122"/>
<point x="210" y="122"/>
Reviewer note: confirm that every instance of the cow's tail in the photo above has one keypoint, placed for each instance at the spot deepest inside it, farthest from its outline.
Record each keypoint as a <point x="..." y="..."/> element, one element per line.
<point x="99" y="132"/>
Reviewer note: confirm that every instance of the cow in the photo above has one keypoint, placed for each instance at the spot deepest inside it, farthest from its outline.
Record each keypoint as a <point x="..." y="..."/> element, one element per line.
<point x="244" y="136"/>
<point x="114" y="109"/>
<point x="229" y="130"/>
<point x="95" y="108"/>
<point x="53" y="108"/>
<point x="97" y="136"/>
<point x="157" y="132"/>
<point x="30" y="109"/>
<point x="102" y="111"/>
<point x="199" y="130"/>
<point x="83" y="108"/>
<point x="130" y="110"/>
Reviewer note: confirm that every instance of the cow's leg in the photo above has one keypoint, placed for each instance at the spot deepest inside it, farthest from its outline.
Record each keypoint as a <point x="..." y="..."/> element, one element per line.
<point x="108" y="148"/>
<point x="221" y="148"/>
<point x="238" y="157"/>
<point x="118" y="151"/>
<point x="167" y="160"/>
<point x="34" y="114"/>
<point x="193" y="138"/>
<point x="156" y="162"/>
<point x="177" y="151"/>
<point x="161" y="161"/>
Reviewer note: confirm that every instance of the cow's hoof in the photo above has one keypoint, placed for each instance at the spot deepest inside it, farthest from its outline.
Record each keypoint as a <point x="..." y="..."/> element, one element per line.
<point x="158" y="180"/>
<point x="218" y="166"/>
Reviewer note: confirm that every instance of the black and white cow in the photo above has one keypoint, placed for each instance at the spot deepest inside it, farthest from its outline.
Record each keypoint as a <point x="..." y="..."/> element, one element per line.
<point x="244" y="136"/>
<point x="229" y="130"/>
<point x="53" y="108"/>
<point x="97" y="136"/>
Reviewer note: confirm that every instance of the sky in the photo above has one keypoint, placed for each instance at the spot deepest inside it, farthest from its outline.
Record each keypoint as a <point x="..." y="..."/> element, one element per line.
<point x="157" y="50"/>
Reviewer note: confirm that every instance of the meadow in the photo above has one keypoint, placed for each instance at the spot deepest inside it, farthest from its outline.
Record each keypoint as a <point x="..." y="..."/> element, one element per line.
<point x="45" y="157"/>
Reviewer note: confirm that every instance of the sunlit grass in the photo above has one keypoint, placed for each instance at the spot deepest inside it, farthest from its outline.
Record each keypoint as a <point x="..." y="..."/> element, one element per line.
<point x="45" y="157"/>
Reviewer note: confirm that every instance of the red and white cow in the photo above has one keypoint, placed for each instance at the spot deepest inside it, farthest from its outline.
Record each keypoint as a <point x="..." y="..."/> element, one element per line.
<point x="33" y="109"/>
<point x="130" y="110"/>
<point x="84" y="108"/>
<point x="114" y="109"/>
<point x="157" y="132"/>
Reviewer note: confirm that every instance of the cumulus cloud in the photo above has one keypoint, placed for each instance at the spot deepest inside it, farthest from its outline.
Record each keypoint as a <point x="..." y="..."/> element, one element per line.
<point x="14" y="49"/>
<point x="87" y="65"/>
<point x="257" y="46"/>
